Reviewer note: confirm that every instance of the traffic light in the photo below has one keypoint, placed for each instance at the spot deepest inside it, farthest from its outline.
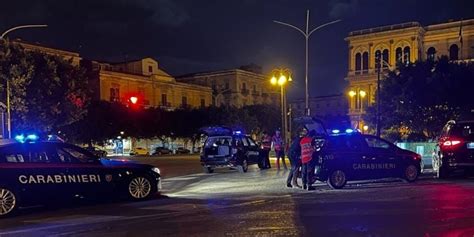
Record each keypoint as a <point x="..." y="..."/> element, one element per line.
<point x="133" y="99"/>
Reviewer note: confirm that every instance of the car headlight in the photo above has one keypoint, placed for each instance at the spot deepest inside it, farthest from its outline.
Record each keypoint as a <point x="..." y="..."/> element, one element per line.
<point x="156" y="170"/>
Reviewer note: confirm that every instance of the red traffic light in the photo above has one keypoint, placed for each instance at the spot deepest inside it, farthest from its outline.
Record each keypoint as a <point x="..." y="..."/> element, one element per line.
<point x="133" y="99"/>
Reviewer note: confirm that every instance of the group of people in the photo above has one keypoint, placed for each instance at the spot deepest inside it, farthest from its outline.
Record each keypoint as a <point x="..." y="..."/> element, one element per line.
<point x="300" y="154"/>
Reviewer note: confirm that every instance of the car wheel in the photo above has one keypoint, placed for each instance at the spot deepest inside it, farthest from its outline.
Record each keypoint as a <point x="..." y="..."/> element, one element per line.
<point x="337" y="179"/>
<point x="208" y="170"/>
<point x="140" y="188"/>
<point x="8" y="202"/>
<point x="411" y="173"/>
<point x="243" y="167"/>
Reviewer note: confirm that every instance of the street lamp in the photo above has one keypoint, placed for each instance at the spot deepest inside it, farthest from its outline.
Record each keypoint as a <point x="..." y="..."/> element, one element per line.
<point x="2" y="37"/>
<point x="361" y="94"/>
<point x="280" y="77"/>
<point x="306" y="34"/>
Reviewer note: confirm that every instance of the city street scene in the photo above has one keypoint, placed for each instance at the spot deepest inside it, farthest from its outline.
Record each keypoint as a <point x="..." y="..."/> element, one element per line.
<point x="237" y="118"/>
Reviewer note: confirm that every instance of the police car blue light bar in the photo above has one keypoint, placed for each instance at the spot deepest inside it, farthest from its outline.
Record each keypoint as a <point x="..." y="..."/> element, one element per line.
<point x="29" y="138"/>
<point x="336" y="131"/>
<point x="238" y="132"/>
<point x="349" y="130"/>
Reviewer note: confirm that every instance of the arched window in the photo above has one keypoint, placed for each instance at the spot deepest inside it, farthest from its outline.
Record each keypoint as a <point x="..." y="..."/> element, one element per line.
<point x="453" y="52"/>
<point x="431" y="54"/>
<point x="378" y="56"/>
<point x="406" y="54"/>
<point x="385" y="58"/>
<point x="358" y="62"/>
<point x="399" y="55"/>
<point x="365" y="62"/>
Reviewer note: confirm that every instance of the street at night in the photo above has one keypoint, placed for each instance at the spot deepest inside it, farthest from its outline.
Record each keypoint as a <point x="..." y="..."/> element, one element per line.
<point x="257" y="203"/>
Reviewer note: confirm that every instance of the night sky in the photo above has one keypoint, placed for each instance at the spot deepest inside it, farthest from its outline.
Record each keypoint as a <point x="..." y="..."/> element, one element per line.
<point x="202" y="35"/>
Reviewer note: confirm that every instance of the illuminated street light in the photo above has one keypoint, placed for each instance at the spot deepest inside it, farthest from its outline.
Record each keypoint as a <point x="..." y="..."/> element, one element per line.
<point x="2" y="36"/>
<point x="362" y="94"/>
<point x="365" y="127"/>
<point x="352" y="93"/>
<point x="284" y="76"/>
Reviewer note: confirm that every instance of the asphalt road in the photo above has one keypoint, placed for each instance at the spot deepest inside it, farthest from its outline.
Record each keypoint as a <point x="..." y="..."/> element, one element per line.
<point x="257" y="203"/>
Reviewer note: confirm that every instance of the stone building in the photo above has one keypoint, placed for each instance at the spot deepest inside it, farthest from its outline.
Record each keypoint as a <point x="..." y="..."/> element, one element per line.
<point x="400" y="43"/>
<point x="236" y="87"/>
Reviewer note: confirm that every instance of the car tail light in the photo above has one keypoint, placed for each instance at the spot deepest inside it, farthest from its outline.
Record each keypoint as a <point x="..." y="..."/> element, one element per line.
<point x="451" y="143"/>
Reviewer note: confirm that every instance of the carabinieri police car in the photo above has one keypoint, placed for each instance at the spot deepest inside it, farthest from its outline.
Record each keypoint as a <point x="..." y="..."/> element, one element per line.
<point x="35" y="172"/>
<point x="349" y="155"/>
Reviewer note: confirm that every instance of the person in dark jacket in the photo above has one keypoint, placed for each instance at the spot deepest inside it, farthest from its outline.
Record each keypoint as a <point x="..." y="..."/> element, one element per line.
<point x="294" y="155"/>
<point x="266" y="143"/>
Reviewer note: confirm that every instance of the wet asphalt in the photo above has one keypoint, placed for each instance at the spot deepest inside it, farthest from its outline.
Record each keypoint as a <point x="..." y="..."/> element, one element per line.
<point x="257" y="203"/>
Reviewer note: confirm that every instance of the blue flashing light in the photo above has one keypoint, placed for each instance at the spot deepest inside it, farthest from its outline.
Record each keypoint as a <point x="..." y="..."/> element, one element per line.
<point x="238" y="132"/>
<point x="29" y="138"/>
<point x="336" y="131"/>
<point x="349" y="130"/>
<point x="32" y="137"/>
<point x="20" y="138"/>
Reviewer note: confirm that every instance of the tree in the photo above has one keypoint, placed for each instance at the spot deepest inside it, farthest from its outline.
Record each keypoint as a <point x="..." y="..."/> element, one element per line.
<point x="418" y="99"/>
<point x="47" y="92"/>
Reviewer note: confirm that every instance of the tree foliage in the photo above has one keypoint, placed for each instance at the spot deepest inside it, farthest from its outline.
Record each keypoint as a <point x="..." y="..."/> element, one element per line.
<point x="418" y="99"/>
<point x="106" y="120"/>
<point x="47" y="92"/>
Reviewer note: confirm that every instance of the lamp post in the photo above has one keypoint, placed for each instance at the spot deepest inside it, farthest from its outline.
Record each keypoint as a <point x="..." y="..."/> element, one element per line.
<point x="2" y="37"/>
<point x="361" y="94"/>
<point x="280" y="77"/>
<point x="306" y="34"/>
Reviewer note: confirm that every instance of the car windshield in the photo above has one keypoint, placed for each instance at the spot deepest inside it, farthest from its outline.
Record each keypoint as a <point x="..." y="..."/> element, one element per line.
<point x="465" y="131"/>
<point x="217" y="141"/>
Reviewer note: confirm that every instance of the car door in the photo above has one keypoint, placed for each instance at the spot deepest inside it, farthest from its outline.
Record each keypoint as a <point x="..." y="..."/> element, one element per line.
<point x="382" y="158"/>
<point x="253" y="151"/>
<point x="40" y="174"/>
<point x="85" y="172"/>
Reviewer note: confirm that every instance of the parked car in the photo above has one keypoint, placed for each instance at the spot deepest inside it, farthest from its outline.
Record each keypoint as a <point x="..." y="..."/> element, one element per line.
<point x="38" y="172"/>
<point x="141" y="151"/>
<point x="162" y="151"/>
<point x="182" y="150"/>
<point x="455" y="149"/>
<point x="348" y="155"/>
<point x="96" y="151"/>
<point x="226" y="148"/>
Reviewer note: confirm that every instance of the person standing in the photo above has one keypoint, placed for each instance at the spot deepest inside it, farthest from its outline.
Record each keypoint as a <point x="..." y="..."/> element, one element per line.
<point x="294" y="155"/>
<point x="307" y="150"/>
<point x="279" y="147"/>
<point x="266" y="145"/>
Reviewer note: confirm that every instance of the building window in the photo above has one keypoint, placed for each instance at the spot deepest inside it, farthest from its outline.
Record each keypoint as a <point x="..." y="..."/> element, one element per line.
<point x="385" y="58"/>
<point x="150" y="68"/>
<point x="378" y="56"/>
<point x="453" y="52"/>
<point x="184" y="101"/>
<point x="164" y="100"/>
<point x="114" y="94"/>
<point x="227" y="85"/>
<point x="406" y="55"/>
<point x="431" y="54"/>
<point x="399" y="55"/>
<point x="203" y="103"/>
<point x="358" y="62"/>
<point x="365" y="62"/>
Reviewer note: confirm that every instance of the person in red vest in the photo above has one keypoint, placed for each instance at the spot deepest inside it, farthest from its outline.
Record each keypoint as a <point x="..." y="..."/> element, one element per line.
<point x="307" y="150"/>
<point x="279" y="147"/>
<point x="265" y="145"/>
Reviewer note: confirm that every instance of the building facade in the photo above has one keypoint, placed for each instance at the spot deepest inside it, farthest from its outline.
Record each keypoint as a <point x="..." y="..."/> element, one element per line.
<point x="400" y="43"/>
<point x="236" y="87"/>
<point x="321" y="106"/>
<point x="148" y="85"/>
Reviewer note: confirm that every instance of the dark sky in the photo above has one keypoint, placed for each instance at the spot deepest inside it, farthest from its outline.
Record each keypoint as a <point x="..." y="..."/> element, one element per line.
<point x="202" y="35"/>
